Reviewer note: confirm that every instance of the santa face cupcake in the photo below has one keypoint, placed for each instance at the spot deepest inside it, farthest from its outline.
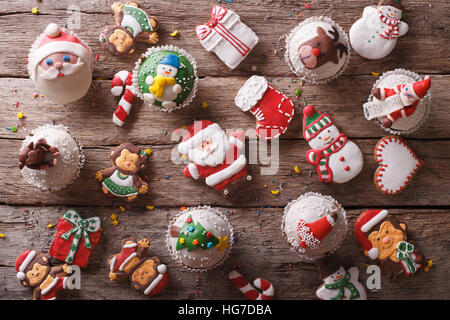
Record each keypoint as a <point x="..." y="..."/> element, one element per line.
<point x="60" y="65"/>
<point x="166" y="78"/>
<point x="200" y="238"/>
<point x="399" y="101"/>
<point x="50" y="158"/>
<point x="317" y="50"/>
<point x="314" y="226"/>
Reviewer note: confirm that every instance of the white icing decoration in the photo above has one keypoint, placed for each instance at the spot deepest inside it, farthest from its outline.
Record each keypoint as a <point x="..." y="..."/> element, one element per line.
<point x="327" y="294"/>
<point x="251" y="92"/>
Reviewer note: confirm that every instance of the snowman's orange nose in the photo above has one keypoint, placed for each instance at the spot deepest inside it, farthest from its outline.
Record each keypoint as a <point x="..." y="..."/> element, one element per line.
<point x="316" y="52"/>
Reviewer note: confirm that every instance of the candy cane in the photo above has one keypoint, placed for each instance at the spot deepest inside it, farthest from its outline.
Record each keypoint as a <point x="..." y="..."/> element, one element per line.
<point x="250" y="292"/>
<point x="120" y="79"/>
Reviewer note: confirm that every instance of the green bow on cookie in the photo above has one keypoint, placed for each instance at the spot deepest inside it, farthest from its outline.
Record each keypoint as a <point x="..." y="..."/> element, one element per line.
<point x="404" y="250"/>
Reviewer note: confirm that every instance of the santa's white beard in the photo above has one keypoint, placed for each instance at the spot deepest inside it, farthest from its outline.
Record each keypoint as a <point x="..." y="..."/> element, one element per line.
<point x="215" y="156"/>
<point x="67" y="69"/>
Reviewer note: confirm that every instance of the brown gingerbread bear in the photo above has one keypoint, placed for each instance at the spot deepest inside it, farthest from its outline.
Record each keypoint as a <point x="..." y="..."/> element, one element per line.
<point x="147" y="274"/>
<point x="124" y="178"/>
<point x="34" y="270"/>
<point x="383" y="238"/>
<point x="132" y="24"/>
<point x="38" y="155"/>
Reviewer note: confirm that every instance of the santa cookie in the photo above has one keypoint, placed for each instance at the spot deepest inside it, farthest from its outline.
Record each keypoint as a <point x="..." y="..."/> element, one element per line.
<point x="146" y="274"/>
<point x="383" y="239"/>
<point x="227" y="36"/>
<point x="34" y="271"/>
<point x="125" y="179"/>
<point x="337" y="159"/>
<point x="60" y="65"/>
<point x="132" y="24"/>
<point x="317" y="50"/>
<point x="399" y="101"/>
<point x="272" y="109"/>
<point x="214" y="157"/>
<point x="375" y="35"/>
<point x="314" y="226"/>
<point x="398" y="164"/>
<point x="339" y="283"/>
<point x="165" y="78"/>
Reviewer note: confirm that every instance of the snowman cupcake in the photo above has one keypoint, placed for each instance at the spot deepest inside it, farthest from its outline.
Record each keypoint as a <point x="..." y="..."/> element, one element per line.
<point x="166" y="78"/>
<point x="317" y="50"/>
<point x="50" y="158"/>
<point x="200" y="238"/>
<point x="314" y="226"/>
<point x="399" y="101"/>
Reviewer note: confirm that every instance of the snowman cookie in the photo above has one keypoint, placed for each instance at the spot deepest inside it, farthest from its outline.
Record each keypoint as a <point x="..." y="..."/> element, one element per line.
<point x="165" y="78"/>
<point x="374" y="36"/>
<point x="337" y="159"/>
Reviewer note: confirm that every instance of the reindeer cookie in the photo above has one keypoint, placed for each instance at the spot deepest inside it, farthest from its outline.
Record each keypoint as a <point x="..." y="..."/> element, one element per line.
<point x="317" y="50"/>
<point x="124" y="178"/>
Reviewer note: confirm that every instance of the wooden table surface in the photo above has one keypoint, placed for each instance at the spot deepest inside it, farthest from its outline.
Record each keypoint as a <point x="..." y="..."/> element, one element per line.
<point x="26" y="211"/>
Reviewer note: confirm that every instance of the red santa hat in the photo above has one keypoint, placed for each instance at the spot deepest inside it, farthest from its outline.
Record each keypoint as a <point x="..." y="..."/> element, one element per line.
<point x="314" y="122"/>
<point x="159" y="282"/>
<point x="421" y="88"/>
<point x="57" y="40"/>
<point x="22" y="262"/>
<point x="197" y="132"/>
<point x="311" y="234"/>
<point x="365" y="222"/>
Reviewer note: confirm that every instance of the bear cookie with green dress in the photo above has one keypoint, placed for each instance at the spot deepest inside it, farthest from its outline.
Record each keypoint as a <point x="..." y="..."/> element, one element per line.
<point x="125" y="178"/>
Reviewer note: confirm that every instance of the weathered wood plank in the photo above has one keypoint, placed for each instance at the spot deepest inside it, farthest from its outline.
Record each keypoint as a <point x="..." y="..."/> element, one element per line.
<point x="93" y="124"/>
<point x="259" y="237"/>
<point x="429" y="188"/>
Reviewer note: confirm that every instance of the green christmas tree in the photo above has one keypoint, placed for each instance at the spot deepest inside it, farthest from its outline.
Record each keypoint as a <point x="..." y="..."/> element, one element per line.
<point x="195" y="236"/>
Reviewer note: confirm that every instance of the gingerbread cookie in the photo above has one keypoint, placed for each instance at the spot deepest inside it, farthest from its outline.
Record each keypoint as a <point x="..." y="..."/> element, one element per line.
<point x="34" y="271"/>
<point x="60" y="65"/>
<point x="200" y="238"/>
<point x="215" y="157"/>
<point x="337" y="159"/>
<point x="132" y="24"/>
<point x="226" y="36"/>
<point x="383" y="238"/>
<point x="374" y="36"/>
<point x="272" y="109"/>
<point x="398" y="164"/>
<point x="146" y="274"/>
<point x="399" y="101"/>
<point x="166" y="78"/>
<point x="125" y="178"/>
<point x="317" y="50"/>
<point x="339" y="283"/>
<point x="314" y="226"/>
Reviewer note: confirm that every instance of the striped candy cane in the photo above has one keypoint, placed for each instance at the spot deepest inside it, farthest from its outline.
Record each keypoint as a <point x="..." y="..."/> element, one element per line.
<point x="266" y="288"/>
<point x="120" y="79"/>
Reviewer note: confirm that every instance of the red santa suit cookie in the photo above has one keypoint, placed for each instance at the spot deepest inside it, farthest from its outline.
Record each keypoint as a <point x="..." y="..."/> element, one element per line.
<point x="272" y="109"/>
<point x="215" y="157"/>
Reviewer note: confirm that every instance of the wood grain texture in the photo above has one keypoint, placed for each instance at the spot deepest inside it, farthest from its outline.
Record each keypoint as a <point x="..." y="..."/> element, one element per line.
<point x="26" y="211"/>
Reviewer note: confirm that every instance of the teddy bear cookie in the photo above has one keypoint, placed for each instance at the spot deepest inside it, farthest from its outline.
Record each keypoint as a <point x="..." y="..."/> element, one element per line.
<point x="339" y="283"/>
<point x="399" y="101"/>
<point x="272" y="109"/>
<point x="165" y="78"/>
<point x="383" y="239"/>
<point x="398" y="164"/>
<point x="226" y="36"/>
<point x="60" y="65"/>
<point x="375" y="34"/>
<point x="146" y="274"/>
<point x="314" y="226"/>
<point x="215" y="157"/>
<point x="317" y="50"/>
<point x="35" y="271"/>
<point x="200" y="238"/>
<point x="75" y="238"/>
<point x="337" y="159"/>
<point x="132" y="24"/>
<point x="125" y="179"/>
<point x="50" y="158"/>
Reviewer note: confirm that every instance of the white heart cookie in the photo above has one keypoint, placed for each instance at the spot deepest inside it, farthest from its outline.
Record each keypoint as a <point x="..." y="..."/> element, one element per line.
<point x="398" y="165"/>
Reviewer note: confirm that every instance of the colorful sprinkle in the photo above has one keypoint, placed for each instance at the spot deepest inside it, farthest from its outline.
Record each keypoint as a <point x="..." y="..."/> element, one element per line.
<point x="20" y="115"/>
<point x="375" y="74"/>
<point x="307" y="6"/>
<point x="275" y="192"/>
<point x="150" y="207"/>
<point x="298" y="93"/>
<point x="297" y="169"/>
<point x="35" y="11"/>
<point x="2" y="235"/>
<point x="184" y="208"/>
<point x="113" y="216"/>
<point x="122" y="208"/>
<point x="174" y="34"/>
<point x="148" y="151"/>
<point x="49" y="226"/>
<point x="182" y="240"/>
<point x="204" y="105"/>
<point x="195" y="242"/>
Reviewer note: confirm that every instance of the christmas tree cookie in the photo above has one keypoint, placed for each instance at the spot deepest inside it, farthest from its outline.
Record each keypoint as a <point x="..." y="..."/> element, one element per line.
<point x="165" y="78"/>
<point x="200" y="238"/>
